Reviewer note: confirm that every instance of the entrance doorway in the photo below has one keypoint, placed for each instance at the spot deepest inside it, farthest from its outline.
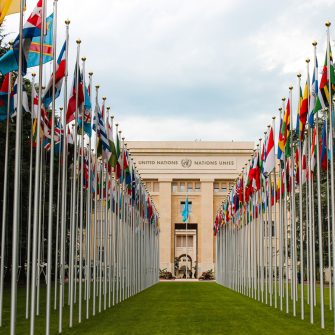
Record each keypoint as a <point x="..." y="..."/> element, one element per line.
<point x="185" y="251"/>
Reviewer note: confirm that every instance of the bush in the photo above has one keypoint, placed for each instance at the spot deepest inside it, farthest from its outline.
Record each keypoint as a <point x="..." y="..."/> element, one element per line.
<point x="165" y="274"/>
<point x="208" y="275"/>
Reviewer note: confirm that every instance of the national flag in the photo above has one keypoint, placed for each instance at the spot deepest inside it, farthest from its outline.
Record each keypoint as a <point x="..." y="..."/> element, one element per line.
<point x="8" y="7"/>
<point x="32" y="28"/>
<point x="25" y="102"/>
<point x="87" y="114"/>
<point x="279" y="152"/>
<point x="270" y="159"/>
<point x="60" y="74"/>
<point x="314" y="92"/>
<point x="328" y="76"/>
<point x="4" y="91"/>
<point x="35" y="46"/>
<point x="304" y="111"/>
<point x="72" y="106"/>
<point x="304" y="163"/>
<point x="324" y="159"/>
<point x="118" y="158"/>
<point x="186" y="211"/>
<point x="113" y="159"/>
<point x="284" y="132"/>
<point x="297" y="127"/>
<point x="106" y="152"/>
<point x="313" y="161"/>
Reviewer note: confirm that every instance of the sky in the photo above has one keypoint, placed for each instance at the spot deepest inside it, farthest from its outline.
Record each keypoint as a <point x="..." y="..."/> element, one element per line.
<point x="193" y="69"/>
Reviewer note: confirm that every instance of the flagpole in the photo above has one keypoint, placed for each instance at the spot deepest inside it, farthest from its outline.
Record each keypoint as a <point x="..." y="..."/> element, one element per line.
<point x="64" y="191"/>
<point x="74" y="188"/>
<point x="30" y="201"/>
<point x="4" y="203"/>
<point x="319" y="224"/>
<point x="81" y="205"/>
<point x="37" y="171"/>
<point x="51" y="175"/>
<point x="17" y="168"/>
<point x="331" y="156"/>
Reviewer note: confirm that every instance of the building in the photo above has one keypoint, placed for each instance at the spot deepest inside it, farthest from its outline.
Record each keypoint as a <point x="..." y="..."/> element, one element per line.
<point x="203" y="171"/>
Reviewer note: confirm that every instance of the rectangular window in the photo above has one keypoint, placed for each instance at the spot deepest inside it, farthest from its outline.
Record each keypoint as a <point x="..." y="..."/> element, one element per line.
<point x="174" y="187"/>
<point x="197" y="187"/>
<point x="189" y="187"/>
<point x="182" y="187"/>
<point x="156" y="186"/>
<point x="216" y="187"/>
<point x="182" y="204"/>
<point x="223" y="188"/>
<point x="148" y="184"/>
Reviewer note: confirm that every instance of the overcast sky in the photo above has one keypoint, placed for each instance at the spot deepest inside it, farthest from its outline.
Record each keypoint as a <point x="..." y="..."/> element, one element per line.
<point x="193" y="69"/>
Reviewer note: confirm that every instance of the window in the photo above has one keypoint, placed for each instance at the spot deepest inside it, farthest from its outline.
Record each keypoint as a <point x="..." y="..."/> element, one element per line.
<point x="197" y="187"/>
<point x="182" y="204"/>
<point x="182" y="187"/>
<point x="189" y="187"/>
<point x="148" y="184"/>
<point x="181" y="241"/>
<point x="216" y="187"/>
<point x="223" y="188"/>
<point x="174" y="187"/>
<point x="156" y="186"/>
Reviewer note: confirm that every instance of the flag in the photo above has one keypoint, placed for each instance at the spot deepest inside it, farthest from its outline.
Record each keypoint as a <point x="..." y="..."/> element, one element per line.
<point x="87" y="114"/>
<point x="324" y="158"/>
<point x="297" y="127"/>
<point x="328" y="76"/>
<point x="106" y="152"/>
<point x="313" y="151"/>
<point x="270" y="154"/>
<point x="60" y="74"/>
<point x="8" y="7"/>
<point x="35" y="46"/>
<point x="284" y="132"/>
<point x="4" y="90"/>
<point x="314" y="92"/>
<point x="71" y="109"/>
<point x="118" y="158"/>
<point x="113" y="159"/>
<point x="304" y="163"/>
<point x="32" y="28"/>
<point x="304" y="111"/>
<point x="186" y="212"/>
<point x="25" y="102"/>
<point x="279" y="152"/>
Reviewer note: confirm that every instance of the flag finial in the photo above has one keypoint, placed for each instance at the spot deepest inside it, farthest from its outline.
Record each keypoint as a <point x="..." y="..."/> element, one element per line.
<point x="328" y="24"/>
<point x="315" y="43"/>
<point x="307" y="60"/>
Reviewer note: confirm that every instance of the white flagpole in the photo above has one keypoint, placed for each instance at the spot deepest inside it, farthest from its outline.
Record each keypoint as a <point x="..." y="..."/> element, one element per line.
<point x="64" y="192"/>
<point x="74" y="188"/>
<point x="37" y="208"/>
<point x="4" y="203"/>
<point x="51" y="176"/>
<point x="17" y="174"/>
<point x="332" y="194"/>
<point x="30" y="202"/>
<point x="319" y="225"/>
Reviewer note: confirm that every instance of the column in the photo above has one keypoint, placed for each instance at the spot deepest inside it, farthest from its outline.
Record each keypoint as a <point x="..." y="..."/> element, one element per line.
<point x="206" y="226"/>
<point x="165" y="224"/>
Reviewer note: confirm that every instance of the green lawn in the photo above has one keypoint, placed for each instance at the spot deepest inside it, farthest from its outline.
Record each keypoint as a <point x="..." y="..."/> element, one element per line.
<point x="183" y="308"/>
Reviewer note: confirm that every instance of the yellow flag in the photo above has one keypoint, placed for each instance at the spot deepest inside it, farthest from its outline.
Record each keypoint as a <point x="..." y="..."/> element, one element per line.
<point x="8" y="7"/>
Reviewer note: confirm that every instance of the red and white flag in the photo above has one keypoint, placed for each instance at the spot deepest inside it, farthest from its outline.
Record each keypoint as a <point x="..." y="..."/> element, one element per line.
<point x="270" y="159"/>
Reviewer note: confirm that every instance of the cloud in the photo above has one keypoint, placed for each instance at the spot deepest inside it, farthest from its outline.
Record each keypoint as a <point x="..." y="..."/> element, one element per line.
<point x="221" y="65"/>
